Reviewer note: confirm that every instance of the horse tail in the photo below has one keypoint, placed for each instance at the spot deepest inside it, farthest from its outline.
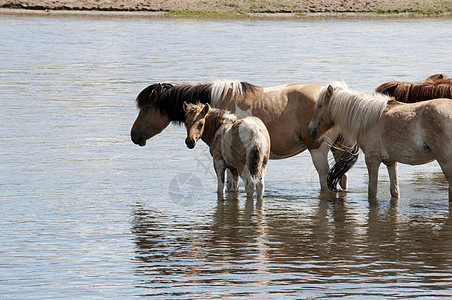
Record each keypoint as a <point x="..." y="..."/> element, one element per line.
<point x="342" y="166"/>
<point x="257" y="160"/>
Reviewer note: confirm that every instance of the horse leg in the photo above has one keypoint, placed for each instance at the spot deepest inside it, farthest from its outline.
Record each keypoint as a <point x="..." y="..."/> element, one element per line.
<point x="260" y="186"/>
<point x="219" y="170"/>
<point x="320" y="160"/>
<point x="393" y="180"/>
<point x="249" y="185"/>
<point x="232" y="181"/>
<point x="372" y="170"/>
<point x="446" y="166"/>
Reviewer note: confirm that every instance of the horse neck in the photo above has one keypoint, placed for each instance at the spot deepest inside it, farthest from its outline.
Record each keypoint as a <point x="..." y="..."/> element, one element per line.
<point x="214" y="121"/>
<point x="354" y="113"/>
<point x="438" y="89"/>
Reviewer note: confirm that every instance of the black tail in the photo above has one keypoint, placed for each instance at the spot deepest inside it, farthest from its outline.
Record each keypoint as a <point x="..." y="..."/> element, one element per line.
<point x="253" y="161"/>
<point x="345" y="163"/>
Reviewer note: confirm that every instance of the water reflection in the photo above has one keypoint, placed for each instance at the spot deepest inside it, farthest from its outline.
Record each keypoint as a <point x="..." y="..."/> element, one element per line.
<point x="86" y="213"/>
<point x="289" y="251"/>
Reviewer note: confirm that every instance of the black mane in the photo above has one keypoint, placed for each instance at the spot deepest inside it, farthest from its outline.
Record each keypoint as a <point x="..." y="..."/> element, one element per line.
<point x="172" y="100"/>
<point x="172" y="97"/>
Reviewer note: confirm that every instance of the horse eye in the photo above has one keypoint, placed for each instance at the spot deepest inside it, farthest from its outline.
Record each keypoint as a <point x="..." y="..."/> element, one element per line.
<point x="200" y="126"/>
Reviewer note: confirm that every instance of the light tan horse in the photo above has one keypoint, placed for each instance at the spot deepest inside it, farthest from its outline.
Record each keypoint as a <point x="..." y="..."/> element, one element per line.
<point x="388" y="131"/>
<point x="285" y="110"/>
<point x="241" y="146"/>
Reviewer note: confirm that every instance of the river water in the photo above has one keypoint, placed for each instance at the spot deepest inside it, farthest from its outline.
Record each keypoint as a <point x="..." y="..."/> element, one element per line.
<point x="85" y="213"/>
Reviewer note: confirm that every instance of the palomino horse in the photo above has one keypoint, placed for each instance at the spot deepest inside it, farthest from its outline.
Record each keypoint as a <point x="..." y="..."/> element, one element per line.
<point x="285" y="110"/>
<point x="388" y="131"/>
<point x="241" y="146"/>
<point x="436" y="86"/>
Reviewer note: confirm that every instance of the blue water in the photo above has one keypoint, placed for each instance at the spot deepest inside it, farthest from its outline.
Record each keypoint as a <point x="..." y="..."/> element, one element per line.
<point x="85" y="213"/>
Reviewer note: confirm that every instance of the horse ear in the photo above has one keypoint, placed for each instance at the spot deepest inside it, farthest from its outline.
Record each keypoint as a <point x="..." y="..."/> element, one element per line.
<point x="158" y="89"/>
<point x="330" y="90"/>
<point x="185" y="106"/>
<point x="206" y="109"/>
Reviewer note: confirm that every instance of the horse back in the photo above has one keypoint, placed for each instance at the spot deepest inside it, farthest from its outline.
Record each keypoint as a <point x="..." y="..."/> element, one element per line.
<point x="437" y="117"/>
<point x="244" y="144"/>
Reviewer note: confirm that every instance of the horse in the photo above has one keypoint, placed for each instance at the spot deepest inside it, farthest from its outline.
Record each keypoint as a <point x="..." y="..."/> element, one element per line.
<point x="387" y="131"/>
<point x="436" y="86"/>
<point x="285" y="110"/>
<point x="241" y="146"/>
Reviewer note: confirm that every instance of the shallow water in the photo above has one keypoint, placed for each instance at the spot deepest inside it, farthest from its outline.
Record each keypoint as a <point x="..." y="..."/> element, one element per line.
<point x="86" y="213"/>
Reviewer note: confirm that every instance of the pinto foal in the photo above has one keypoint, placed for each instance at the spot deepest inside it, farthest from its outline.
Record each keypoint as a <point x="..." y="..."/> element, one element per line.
<point x="242" y="146"/>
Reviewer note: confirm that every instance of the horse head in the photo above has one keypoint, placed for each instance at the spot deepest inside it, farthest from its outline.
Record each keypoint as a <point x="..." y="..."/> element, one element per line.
<point x="322" y="120"/>
<point x="195" y="121"/>
<point x="151" y="119"/>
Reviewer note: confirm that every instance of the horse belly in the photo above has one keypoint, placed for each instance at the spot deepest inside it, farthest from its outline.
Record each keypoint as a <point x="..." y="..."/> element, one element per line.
<point x="409" y="153"/>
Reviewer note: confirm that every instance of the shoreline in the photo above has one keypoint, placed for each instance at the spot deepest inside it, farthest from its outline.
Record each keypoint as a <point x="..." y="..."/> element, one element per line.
<point x="216" y="15"/>
<point x="273" y="9"/>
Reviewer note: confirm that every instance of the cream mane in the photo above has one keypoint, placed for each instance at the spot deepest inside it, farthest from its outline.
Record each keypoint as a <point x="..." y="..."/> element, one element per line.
<point x="353" y="112"/>
<point x="220" y="88"/>
<point x="222" y="114"/>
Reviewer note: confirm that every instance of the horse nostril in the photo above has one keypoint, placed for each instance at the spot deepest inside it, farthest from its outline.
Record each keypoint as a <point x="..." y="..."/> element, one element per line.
<point x="138" y="139"/>
<point x="313" y="132"/>
<point x="190" y="143"/>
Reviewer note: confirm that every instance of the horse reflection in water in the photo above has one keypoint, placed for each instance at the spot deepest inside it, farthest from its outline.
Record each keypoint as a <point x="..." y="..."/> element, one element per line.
<point x="285" y="111"/>
<point x="388" y="131"/>
<point x="241" y="146"/>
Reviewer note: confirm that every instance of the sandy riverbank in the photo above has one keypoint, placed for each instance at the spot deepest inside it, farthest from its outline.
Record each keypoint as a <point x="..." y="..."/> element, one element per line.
<point x="238" y="6"/>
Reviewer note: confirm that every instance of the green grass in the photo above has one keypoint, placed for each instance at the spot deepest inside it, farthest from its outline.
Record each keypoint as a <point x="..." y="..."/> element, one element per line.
<point x="206" y="14"/>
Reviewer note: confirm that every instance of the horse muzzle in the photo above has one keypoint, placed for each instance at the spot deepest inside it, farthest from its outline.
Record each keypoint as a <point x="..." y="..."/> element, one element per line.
<point x="138" y="139"/>
<point x="190" y="143"/>
<point x="313" y="131"/>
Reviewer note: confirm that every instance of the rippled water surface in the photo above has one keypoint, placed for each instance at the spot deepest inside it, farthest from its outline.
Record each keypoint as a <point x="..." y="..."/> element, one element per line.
<point x="86" y="213"/>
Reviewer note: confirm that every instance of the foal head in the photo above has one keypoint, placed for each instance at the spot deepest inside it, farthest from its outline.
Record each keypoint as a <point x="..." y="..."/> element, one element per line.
<point x="195" y="121"/>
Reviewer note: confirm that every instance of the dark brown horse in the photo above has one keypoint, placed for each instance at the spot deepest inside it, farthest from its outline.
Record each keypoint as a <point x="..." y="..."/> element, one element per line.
<point x="436" y="86"/>
<point x="285" y="110"/>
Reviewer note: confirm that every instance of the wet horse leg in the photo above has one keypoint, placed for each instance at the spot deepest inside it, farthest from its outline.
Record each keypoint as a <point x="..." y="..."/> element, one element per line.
<point x="372" y="170"/>
<point x="446" y="166"/>
<point x="249" y="185"/>
<point x="393" y="180"/>
<point x="260" y="187"/>
<point x="232" y="181"/>
<point x="320" y="160"/>
<point x="219" y="170"/>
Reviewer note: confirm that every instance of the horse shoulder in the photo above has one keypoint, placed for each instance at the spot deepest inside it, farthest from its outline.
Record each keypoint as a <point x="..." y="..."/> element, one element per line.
<point x="242" y="106"/>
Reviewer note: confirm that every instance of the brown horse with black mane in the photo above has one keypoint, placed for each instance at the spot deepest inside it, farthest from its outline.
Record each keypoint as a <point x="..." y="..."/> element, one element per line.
<point x="285" y="110"/>
<point x="436" y="86"/>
